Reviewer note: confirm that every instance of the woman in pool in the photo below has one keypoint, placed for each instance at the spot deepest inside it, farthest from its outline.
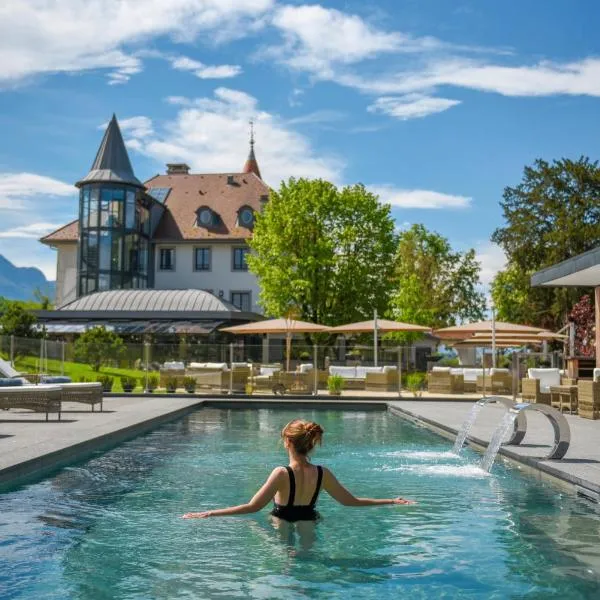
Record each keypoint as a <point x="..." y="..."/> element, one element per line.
<point x="295" y="488"/>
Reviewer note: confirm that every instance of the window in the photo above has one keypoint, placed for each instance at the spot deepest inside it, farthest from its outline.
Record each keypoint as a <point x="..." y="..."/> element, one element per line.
<point x="205" y="218"/>
<point x="241" y="300"/>
<point x="202" y="259"/>
<point x="246" y="217"/>
<point x="239" y="259"/>
<point x="167" y="259"/>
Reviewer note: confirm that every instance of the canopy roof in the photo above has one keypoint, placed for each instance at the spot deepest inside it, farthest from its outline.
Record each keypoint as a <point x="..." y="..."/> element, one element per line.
<point x="500" y="343"/>
<point x="582" y="270"/>
<point x="382" y="325"/>
<point x="458" y="332"/>
<point x="543" y="335"/>
<point x="276" y="326"/>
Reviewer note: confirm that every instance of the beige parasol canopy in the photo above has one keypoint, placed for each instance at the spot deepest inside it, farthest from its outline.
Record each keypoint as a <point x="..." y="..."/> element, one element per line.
<point x="458" y="332"/>
<point x="543" y="336"/>
<point x="481" y="342"/>
<point x="276" y="326"/>
<point x="383" y="325"/>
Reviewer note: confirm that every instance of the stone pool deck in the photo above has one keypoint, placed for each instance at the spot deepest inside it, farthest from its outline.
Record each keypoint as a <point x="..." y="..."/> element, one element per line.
<point x="30" y="447"/>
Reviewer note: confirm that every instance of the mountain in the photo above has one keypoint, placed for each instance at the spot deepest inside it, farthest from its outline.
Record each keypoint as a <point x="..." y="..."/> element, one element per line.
<point x="20" y="283"/>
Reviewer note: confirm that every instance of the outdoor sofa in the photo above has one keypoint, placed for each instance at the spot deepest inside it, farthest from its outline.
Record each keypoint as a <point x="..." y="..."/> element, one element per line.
<point x="497" y="381"/>
<point x="536" y="386"/>
<point x="171" y="369"/>
<point x="383" y="378"/>
<point x="445" y="380"/>
<point x="219" y="376"/>
<point x="588" y="398"/>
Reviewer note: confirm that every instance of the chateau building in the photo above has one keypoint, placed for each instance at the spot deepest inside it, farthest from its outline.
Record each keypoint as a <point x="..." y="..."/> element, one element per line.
<point x="178" y="231"/>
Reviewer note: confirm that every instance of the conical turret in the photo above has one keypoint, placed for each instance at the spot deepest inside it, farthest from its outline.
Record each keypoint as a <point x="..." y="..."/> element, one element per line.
<point x="111" y="164"/>
<point x="251" y="165"/>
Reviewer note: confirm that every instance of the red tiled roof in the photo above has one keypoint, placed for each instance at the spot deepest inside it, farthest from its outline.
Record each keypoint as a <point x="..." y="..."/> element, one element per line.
<point x="67" y="233"/>
<point x="189" y="193"/>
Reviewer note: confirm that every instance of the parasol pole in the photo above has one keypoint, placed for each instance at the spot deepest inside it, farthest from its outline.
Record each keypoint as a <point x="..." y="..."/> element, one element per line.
<point x="375" y="337"/>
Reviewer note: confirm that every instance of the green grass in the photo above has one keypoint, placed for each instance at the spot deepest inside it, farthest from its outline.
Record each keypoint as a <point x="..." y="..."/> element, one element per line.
<point x="77" y="371"/>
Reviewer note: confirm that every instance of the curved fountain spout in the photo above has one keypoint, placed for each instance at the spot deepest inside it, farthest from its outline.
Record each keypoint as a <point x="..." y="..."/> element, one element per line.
<point x="520" y="423"/>
<point x="562" y="432"/>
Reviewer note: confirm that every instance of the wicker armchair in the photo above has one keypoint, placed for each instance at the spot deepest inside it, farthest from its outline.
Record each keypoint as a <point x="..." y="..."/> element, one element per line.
<point x="536" y="389"/>
<point x="588" y="399"/>
<point x="498" y="381"/>
<point x="444" y="382"/>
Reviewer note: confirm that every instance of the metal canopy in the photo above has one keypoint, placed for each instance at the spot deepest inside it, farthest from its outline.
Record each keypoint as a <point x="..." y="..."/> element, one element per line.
<point x="580" y="271"/>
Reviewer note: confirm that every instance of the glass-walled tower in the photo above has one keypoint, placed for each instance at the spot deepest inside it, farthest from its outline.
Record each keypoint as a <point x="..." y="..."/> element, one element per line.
<point x="114" y="221"/>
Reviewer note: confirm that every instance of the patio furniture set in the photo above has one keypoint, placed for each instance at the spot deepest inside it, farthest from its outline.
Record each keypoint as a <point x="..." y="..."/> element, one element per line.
<point x="47" y="396"/>
<point x="456" y="380"/>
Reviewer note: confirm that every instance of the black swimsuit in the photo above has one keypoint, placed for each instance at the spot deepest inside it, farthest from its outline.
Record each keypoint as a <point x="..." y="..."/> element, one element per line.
<point x="306" y="512"/>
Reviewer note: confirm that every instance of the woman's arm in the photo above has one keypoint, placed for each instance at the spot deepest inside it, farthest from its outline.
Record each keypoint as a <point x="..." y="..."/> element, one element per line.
<point x="259" y="500"/>
<point x="338" y="492"/>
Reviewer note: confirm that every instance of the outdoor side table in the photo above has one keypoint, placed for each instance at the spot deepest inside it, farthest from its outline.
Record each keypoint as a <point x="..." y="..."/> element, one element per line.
<point x="564" y="396"/>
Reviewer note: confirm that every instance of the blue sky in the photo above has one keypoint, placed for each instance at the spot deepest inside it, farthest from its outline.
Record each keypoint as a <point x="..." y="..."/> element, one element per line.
<point x="434" y="104"/>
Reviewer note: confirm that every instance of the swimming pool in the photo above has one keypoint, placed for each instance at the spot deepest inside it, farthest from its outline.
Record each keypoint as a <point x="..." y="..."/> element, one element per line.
<point x="110" y="527"/>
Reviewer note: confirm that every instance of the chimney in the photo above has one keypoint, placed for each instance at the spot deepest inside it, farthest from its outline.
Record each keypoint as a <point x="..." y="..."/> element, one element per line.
<point x="178" y="169"/>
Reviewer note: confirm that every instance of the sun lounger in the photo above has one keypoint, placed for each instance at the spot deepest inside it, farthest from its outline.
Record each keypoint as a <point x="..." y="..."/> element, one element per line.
<point x="39" y="398"/>
<point x="83" y="393"/>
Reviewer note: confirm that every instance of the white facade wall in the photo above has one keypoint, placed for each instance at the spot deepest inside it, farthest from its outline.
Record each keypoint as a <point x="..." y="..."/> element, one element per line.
<point x="221" y="280"/>
<point x="66" y="273"/>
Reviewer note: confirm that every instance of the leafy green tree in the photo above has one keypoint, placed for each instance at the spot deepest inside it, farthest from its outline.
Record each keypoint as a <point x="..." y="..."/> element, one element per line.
<point x="435" y="285"/>
<point x="98" y="347"/>
<point x="17" y="320"/>
<point x="324" y="253"/>
<point x="552" y="215"/>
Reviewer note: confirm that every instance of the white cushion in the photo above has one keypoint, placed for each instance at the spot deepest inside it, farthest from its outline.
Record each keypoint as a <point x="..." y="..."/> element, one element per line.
<point x="209" y="365"/>
<point x="498" y="371"/>
<point x="240" y="365"/>
<point x="269" y="370"/>
<point x="174" y="365"/>
<point x="547" y="377"/>
<point x="456" y="371"/>
<point x="472" y="374"/>
<point x="345" y="372"/>
<point x="596" y="374"/>
<point x="441" y="369"/>
<point x="361" y="372"/>
<point x="389" y="368"/>
<point x="305" y="368"/>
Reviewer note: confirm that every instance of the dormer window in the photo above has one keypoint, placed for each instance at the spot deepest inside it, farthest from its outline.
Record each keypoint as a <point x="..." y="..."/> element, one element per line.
<point x="205" y="217"/>
<point x="246" y="217"/>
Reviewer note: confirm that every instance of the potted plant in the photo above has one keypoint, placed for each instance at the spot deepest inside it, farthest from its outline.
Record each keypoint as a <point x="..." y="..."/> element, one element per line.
<point x="189" y="383"/>
<point x="414" y="382"/>
<point x="128" y="384"/>
<point x="106" y="381"/>
<point x="153" y="380"/>
<point x="171" y="384"/>
<point x="335" y="385"/>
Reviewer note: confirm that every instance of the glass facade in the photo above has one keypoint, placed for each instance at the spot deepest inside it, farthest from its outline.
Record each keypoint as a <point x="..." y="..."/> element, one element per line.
<point x="114" y="227"/>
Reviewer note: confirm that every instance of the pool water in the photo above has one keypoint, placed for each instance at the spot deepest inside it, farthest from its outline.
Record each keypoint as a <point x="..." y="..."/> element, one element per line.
<point x="110" y="528"/>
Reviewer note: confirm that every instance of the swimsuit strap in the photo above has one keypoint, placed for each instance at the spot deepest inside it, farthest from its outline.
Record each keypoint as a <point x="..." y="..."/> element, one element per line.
<point x="318" y="488"/>
<point x="292" y="496"/>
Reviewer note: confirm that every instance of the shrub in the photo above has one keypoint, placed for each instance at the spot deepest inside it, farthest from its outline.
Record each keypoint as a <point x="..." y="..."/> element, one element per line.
<point x="128" y="383"/>
<point x="335" y="384"/>
<point x="98" y="346"/>
<point x="449" y="361"/>
<point x="189" y="383"/>
<point x="414" y="382"/>
<point x="106" y="381"/>
<point x="153" y="381"/>
<point x="304" y="355"/>
<point x="171" y="384"/>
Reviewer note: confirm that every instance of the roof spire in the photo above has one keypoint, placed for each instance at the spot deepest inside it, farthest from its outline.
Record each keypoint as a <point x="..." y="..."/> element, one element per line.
<point x="251" y="165"/>
<point x="111" y="164"/>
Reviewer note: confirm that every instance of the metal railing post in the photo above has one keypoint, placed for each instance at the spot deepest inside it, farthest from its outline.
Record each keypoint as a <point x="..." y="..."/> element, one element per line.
<point x="515" y="375"/>
<point x="316" y="369"/>
<point x="399" y="371"/>
<point x="146" y="365"/>
<point x="62" y="357"/>
<point x="231" y="368"/>
<point x="12" y="351"/>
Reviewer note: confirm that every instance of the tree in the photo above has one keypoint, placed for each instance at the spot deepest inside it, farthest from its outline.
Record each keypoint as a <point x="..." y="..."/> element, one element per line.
<point x="17" y="320"/>
<point x="435" y="285"/>
<point x="98" y="347"/>
<point x="324" y="253"/>
<point x="583" y="316"/>
<point x="552" y="215"/>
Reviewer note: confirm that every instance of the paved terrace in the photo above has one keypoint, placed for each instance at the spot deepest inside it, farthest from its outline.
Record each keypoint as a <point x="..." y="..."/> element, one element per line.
<point x="30" y="447"/>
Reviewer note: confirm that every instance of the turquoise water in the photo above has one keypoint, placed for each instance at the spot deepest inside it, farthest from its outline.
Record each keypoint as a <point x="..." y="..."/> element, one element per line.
<point x="110" y="528"/>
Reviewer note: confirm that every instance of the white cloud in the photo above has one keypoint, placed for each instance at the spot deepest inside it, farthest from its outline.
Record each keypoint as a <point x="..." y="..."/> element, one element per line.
<point x="420" y="199"/>
<point x="18" y="188"/>
<point x="37" y="36"/>
<point x="492" y="259"/>
<point x="202" y="71"/>
<point x="411" y="106"/>
<point x="33" y="230"/>
<point x="211" y="135"/>
<point x="315" y="38"/>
